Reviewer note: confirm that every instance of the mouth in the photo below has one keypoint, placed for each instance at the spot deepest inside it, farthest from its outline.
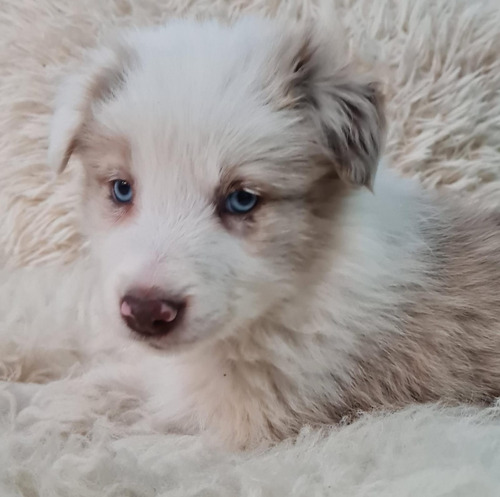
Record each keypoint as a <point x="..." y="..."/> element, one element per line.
<point x="174" y="341"/>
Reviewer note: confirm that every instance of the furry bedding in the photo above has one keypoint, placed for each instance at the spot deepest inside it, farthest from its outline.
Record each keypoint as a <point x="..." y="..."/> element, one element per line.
<point x="440" y="61"/>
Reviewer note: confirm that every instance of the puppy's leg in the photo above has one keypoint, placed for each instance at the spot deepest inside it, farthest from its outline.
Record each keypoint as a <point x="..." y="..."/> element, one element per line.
<point x="15" y="396"/>
<point x="112" y="396"/>
<point x="44" y="316"/>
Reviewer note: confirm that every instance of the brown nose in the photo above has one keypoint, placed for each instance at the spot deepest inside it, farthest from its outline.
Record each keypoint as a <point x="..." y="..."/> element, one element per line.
<point x="150" y="316"/>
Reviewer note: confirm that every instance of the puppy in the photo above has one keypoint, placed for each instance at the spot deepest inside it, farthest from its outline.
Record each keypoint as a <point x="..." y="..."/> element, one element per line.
<point x="238" y="231"/>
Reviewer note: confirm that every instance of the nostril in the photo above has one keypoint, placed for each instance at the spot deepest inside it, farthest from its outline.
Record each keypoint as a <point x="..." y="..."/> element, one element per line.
<point x="168" y="312"/>
<point x="125" y="309"/>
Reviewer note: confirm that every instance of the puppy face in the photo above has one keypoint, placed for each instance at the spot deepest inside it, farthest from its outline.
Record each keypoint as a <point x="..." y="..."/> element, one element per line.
<point x="210" y="156"/>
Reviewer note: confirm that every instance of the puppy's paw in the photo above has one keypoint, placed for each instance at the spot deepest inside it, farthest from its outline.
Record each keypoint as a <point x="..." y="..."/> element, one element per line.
<point x="15" y="396"/>
<point x="80" y="405"/>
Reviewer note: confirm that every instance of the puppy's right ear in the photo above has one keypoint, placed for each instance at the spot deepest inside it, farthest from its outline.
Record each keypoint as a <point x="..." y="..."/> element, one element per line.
<point x="101" y="78"/>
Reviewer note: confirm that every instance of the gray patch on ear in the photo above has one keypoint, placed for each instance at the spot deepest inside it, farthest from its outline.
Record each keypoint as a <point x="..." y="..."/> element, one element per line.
<point x="303" y="75"/>
<point x="356" y="139"/>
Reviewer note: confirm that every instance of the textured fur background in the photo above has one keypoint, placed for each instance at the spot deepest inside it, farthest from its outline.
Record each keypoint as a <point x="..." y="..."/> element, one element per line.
<point x="440" y="61"/>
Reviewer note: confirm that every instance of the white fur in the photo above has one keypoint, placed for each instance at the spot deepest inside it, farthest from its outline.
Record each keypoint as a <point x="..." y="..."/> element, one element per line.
<point x="424" y="451"/>
<point x="192" y="109"/>
<point x="54" y="363"/>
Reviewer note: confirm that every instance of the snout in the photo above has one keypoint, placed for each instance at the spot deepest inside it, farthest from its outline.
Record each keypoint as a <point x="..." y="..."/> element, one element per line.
<point x="151" y="313"/>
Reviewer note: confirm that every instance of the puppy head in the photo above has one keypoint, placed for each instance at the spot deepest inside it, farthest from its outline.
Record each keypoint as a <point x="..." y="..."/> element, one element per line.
<point x="211" y="154"/>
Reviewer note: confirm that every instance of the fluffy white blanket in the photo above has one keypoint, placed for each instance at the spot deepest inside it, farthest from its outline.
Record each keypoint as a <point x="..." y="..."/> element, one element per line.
<point x="440" y="61"/>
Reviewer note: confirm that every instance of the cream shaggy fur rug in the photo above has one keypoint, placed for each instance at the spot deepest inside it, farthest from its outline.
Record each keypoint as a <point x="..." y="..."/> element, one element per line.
<point x="440" y="60"/>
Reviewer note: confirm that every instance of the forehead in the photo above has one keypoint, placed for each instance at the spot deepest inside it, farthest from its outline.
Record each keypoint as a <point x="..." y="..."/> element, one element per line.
<point x="198" y="101"/>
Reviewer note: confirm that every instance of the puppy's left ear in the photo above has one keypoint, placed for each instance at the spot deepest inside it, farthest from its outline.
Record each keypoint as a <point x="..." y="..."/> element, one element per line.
<point x="345" y="107"/>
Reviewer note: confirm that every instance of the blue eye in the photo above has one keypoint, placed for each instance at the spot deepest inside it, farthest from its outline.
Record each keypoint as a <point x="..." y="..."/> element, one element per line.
<point x="122" y="191"/>
<point x="241" y="202"/>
